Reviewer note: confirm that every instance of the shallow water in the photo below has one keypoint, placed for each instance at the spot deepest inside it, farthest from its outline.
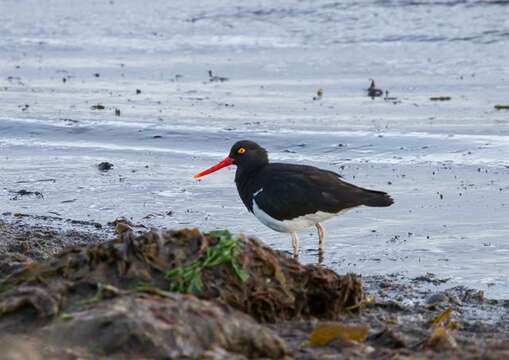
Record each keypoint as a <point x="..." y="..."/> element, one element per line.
<point x="445" y="163"/>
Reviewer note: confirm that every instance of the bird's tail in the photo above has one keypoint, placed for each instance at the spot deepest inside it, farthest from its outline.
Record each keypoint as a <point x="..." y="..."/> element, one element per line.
<point x="378" y="199"/>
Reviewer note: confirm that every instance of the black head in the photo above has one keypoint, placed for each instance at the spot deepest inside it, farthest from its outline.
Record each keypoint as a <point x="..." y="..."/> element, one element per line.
<point x="247" y="155"/>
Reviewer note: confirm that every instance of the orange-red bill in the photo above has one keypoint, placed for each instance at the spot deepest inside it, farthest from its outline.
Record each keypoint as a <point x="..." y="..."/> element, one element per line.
<point x="226" y="162"/>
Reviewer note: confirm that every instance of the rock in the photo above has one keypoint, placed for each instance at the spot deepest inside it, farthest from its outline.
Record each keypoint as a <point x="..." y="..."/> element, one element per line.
<point x="23" y="192"/>
<point x="466" y="295"/>
<point x="15" y="349"/>
<point x="105" y="166"/>
<point x="437" y="300"/>
<point x="166" y="326"/>
<point x="430" y="277"/>
<point x="440" y="98"/>
<point x="24" y="297"/>
<point x="388" y="338"/>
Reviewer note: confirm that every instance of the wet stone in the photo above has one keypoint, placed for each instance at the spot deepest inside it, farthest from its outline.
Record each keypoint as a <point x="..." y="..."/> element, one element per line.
<point x="389" y="338"/>
<point x="166" y="326"/>
<point x="105" y="166"/>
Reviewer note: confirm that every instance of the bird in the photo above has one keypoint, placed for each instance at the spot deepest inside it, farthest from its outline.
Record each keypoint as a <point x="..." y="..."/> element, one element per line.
<point x="290" y="197"/>
<point x="214" y="78"/>
<point x="373" y="91"/>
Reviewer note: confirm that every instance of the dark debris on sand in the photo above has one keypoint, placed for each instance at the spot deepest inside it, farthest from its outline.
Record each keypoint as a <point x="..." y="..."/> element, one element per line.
<point x="112" y="299"/>
<point x="21" y="193"/>
<point x="105" y="166"/>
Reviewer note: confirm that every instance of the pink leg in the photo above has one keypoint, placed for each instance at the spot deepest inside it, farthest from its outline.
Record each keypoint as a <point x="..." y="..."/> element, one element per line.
<point x="321" y="235"/>
<point x="295" y="243"/>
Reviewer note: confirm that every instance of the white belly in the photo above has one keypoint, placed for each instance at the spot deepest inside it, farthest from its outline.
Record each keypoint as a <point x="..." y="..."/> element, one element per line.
<point x="292" y="225"/>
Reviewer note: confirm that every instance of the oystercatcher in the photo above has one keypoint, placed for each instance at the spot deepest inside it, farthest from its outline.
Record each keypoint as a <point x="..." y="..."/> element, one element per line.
<point x="288" y="197"/>
<point x="373" y="91"/>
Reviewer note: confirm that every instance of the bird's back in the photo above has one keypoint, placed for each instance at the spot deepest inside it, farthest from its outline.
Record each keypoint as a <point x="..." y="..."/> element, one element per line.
<point x="289" y="190"/>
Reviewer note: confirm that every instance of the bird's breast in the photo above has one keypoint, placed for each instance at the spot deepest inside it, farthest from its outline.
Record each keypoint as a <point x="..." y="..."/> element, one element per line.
<point x="289" y="225"/>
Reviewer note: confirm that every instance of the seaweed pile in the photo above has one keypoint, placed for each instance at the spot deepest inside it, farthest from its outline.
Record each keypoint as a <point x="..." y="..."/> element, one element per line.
<point x="117" y="296"/>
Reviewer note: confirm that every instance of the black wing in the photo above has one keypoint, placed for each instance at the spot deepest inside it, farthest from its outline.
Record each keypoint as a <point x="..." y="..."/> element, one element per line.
<point x="290" y="191"/>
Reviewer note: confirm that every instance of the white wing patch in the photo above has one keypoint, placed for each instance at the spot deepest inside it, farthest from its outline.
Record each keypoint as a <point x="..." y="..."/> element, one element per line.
<point x="257" y="192"/>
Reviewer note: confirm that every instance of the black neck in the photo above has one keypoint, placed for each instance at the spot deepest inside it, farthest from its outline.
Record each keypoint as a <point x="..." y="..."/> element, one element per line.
<point x="246" y="171"/>
<point x="245" y="179"/>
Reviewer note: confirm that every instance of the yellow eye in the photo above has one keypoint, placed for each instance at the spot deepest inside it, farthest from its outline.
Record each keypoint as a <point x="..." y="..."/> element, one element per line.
<point x="241" y="151"/>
